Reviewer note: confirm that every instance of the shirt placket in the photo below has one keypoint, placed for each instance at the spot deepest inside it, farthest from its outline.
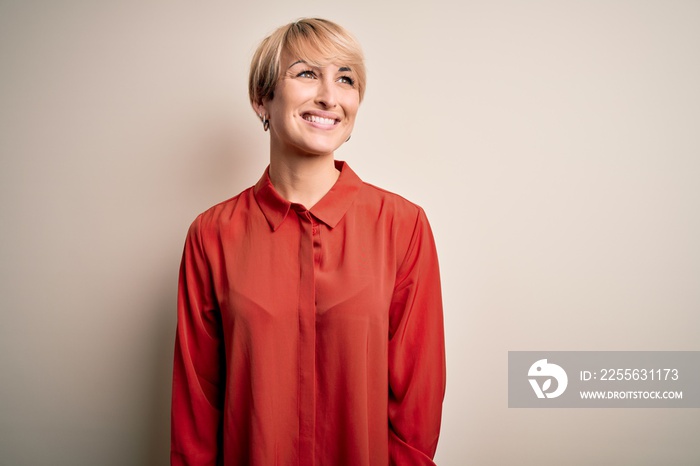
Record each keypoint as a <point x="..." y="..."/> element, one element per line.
<point x="309" y="257"/>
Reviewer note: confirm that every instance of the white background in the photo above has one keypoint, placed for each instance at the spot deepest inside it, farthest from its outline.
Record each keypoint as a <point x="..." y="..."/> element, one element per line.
<point x="555" y="146"/>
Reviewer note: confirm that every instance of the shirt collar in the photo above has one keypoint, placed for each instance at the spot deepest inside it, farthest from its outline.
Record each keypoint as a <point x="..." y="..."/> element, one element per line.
<point x="329" y="210"/>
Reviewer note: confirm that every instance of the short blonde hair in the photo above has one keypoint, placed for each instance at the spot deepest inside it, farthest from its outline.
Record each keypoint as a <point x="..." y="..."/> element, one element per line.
<point x="314" y="40"/>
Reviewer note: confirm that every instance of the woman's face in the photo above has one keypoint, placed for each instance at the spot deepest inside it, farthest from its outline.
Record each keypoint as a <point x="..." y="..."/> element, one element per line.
<point x="313" y="108"/>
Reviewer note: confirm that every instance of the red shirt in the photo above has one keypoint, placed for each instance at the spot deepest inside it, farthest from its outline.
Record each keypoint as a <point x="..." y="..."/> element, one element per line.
<point x="309" y="337"/>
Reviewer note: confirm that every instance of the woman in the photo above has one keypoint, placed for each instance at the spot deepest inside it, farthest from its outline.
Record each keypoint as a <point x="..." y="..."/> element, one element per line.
<point x="310" y="324"/>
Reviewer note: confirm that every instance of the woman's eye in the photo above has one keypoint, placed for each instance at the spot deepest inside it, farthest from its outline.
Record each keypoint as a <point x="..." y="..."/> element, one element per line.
<point x="306" y="74"/>
<point x="347" y="80"/>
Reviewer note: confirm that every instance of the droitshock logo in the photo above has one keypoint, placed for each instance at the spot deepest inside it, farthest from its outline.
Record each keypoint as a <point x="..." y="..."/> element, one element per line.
<point x="546" y="372"/>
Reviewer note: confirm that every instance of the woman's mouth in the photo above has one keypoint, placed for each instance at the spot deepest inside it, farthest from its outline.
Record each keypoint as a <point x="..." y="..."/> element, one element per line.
<point x="320" y="120"/>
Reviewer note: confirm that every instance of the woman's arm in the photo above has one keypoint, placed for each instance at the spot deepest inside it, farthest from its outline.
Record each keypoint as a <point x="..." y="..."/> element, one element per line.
<point x="199" y="370"/>
<point x="416" y="353"/>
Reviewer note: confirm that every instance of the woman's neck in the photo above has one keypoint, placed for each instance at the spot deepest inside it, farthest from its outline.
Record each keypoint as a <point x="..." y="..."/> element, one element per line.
<point x="303" y="179"/>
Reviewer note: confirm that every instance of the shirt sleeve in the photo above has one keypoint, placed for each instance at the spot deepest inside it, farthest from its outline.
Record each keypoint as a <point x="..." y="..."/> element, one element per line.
<point x="416" y="353"/>
<point x="198" y="369"/>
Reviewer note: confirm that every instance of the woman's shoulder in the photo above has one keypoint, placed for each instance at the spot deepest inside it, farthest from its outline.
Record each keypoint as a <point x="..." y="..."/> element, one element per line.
<point x="223" y="212"/>
<point x="389" y="202"/>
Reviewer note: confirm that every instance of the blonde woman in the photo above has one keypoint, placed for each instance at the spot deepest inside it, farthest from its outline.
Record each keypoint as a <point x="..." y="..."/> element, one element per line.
<point x="310" y="327"/>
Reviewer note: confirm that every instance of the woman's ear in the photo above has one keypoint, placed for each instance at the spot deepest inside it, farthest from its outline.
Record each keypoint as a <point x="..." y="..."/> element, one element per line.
<point x="260" y="109"/>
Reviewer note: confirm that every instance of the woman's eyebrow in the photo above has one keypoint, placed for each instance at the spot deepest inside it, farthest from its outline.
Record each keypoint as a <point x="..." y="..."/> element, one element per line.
<point x="342" y="69"/>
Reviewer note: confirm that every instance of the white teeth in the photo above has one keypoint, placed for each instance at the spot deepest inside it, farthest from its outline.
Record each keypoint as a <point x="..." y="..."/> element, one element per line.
<point x="318" y="119"/>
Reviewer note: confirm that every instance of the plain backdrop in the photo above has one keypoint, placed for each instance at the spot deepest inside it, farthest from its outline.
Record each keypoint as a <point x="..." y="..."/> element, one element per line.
<point x="555" y="146"/>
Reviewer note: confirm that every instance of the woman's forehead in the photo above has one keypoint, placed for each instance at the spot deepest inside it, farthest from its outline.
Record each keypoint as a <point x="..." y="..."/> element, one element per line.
<point x="313" y="56"/>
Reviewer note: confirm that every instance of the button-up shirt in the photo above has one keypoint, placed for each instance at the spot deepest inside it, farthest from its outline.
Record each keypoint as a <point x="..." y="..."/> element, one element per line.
<point x="309" y="337"/>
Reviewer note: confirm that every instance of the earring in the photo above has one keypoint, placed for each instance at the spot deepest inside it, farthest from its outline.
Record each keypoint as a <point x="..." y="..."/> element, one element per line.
<point x="265" y="122"/>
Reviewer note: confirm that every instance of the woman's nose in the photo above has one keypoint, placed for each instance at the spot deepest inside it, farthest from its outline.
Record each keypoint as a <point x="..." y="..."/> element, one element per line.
<point x="326" y="95"/>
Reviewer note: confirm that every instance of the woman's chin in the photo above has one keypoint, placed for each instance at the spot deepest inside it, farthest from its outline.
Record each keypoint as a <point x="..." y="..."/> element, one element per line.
<point x="319" y="147"/>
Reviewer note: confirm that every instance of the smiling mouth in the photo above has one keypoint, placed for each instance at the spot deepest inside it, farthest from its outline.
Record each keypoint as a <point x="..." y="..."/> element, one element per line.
<point x="320" y="120"/>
